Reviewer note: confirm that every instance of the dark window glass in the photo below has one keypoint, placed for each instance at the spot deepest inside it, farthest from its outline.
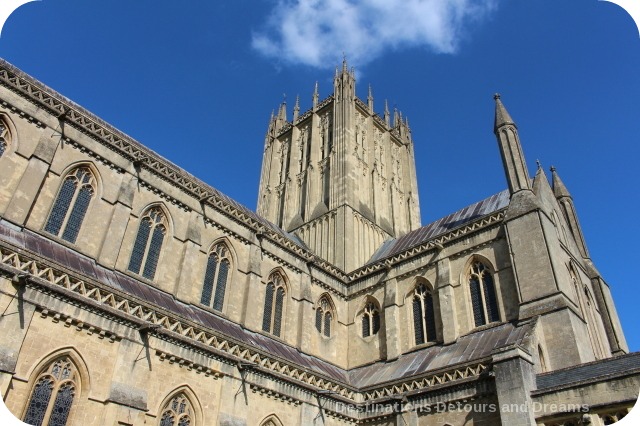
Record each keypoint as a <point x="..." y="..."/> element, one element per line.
<point x="221" y="285"/>
<point x="319" y="319"/>
<point x="39" y="401"/>
<point x="490" y="297"/>
<point x="207" y="288"/>
<point x="140" y="245"/>
<point x="476" y="301"/>
<point x="77" y="215"/>
<point x="154" y="253"/>
<point x="417" y="320"/>
<point x="365" y="326"/>
<point x="277" y="321"/>
<point x="327" y="324"/>
<point x="268" y="308"/>
<point x="167" y="419"/>
<point x="184" y="421"/>
<point x="430" y="317"/>
<point x="3" y="147"/>
<point x="61" y="206"/>
<point x="62" y="406"/>
<point x="376" y="322"/>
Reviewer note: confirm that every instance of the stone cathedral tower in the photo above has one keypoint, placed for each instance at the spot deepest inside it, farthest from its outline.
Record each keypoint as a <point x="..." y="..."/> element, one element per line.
<point x="339" y="176"/>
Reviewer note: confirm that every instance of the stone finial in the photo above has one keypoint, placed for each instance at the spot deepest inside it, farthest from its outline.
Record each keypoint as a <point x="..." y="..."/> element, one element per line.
<point x="296" y="108"/>
<point x="502" y="117"/>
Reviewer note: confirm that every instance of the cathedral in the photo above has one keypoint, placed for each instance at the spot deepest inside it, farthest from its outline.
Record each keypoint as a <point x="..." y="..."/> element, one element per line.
<point x="132" y="293"/>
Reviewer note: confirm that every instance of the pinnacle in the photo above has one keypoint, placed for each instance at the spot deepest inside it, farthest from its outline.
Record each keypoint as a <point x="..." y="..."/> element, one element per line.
<point x="559" y="189"/>
<point x="502" y="117"/>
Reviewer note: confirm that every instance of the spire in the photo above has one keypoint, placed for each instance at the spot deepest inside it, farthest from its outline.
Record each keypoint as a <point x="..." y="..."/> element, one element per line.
<point x="506" y="132"/>
<point x="559" y="190"/>
<point x="386" y="112"/>
<point x="502" y="116"/>
<point x="396" y="117"/>
<point x="296" y="108"/>
<point x="282" y="112"/>
<point x="539" y="178"/>
<point x="315" y="96"/>
<point x="370" y="100"/>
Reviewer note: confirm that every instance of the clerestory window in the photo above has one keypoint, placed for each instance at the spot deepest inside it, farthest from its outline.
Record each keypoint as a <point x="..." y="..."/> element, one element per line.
<point x="216" y="276"/>
<point x="424" y="318"/>
<point x="71" y="204"/>
<point x="483" y="294"/>
<point x="370" y="320"/>
<point x="148" y="243"/>
<point x="324" y="316"/>
<point x="53" y="394"/>
<point x="274" y="305"/>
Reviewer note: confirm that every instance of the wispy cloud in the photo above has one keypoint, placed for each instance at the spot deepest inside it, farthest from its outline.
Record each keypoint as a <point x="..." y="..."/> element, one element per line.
<point x="318" y="32"/>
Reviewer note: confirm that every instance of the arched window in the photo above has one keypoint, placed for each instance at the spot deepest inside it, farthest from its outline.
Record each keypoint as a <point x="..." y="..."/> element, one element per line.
<point x="271" y="420"/>
<point x="177" y="412"/>
<point x="4" y="138"/>
<point x="483" y="294"/>
<point x="53" y="393"/>
<point x="324" y="316"/>
<point x="370" y="320"/>
<point x="273" y="305"/>
<point x="71" y="204"/>
<point x="216" y="276"/>
<point x="146" y="249"/>
<point x="424" y="317"/>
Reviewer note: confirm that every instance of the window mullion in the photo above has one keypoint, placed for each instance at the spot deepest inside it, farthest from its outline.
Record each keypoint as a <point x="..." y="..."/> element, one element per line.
<point x="147" y="246"/>
<point x="423" y="319"/>
<point x="63" y="226"/>
<point x="484" y="300"/>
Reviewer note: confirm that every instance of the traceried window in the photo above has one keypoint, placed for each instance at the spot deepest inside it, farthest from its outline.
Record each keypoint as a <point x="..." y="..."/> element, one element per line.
<point x="52" y="395"/>
<point x="148" y="244"/>
<point x="483" y="294"/>
<point x="178" y="412"/>
<point x="4" y="138"/>
<point x="424" y="318"/>
<point x="71" y="205"/>
<point x="273" y="305"/>
<point x="370" y="320"/>
<point x="324" y="316"/>
<point x="216" y="276"/>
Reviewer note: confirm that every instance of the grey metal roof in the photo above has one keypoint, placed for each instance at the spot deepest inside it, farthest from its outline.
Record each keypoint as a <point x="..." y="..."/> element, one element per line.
<point x="590" y="372"/>
<point x="468" y="348"/>
<point x="443" y="225"/>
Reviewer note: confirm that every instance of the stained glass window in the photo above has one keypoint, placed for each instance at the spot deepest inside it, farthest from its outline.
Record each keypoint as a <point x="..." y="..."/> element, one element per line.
<point x="324" y="316"/>
<point x="70" y="207"/>
<point x="146" y="251"/>
<point x="273" y="310"/>
<point x="177" y="412"/>
<point x="53" y="394"/>
<point x="217" y="273"/>
<point x="483" y="295"/>
<point x="370" y="320"/>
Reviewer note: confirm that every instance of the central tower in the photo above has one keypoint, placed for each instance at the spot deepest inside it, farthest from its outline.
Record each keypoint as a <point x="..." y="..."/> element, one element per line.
<point x="339" y="176"/>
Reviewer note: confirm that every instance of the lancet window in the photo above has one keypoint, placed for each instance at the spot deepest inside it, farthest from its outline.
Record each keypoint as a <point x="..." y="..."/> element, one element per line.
<point x="424" y="318"/>
<point x="370" y="320"/>
<point x="53" y="394"/>
<point x="216" y="277"/>
<point x="324" y="317"/>
<point x="483" y="294"/>
<point x="4" y="138"/>
<point x="70" y="207"/>
<point x="148" y="243"/>
<point x="274" y="305"/>
<point x="177" y="412"/>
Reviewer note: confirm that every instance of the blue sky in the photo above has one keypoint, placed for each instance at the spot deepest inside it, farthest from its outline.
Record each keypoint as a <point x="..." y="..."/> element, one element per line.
<point x="197" y="83"/>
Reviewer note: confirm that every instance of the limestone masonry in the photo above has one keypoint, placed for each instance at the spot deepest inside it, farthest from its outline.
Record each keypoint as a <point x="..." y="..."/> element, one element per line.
<point x="131" y="293"/>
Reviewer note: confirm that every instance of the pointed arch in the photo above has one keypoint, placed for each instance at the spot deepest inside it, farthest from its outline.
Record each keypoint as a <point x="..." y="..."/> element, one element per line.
<point x="479" y="276"/>
<point x="181" y="407"/>
<point x="217" y="275"/>
<point x="369" y="317"/>
<point x="325" y="314"/>
<point x="57" y="383"/>
<point x="152" y="231"/>
<point x="79" y="186"/>
<point x="7" y="135"/>
<point x="271" y="420"/>
<point x="423" y="302"/>
<point x="274" y="302"/>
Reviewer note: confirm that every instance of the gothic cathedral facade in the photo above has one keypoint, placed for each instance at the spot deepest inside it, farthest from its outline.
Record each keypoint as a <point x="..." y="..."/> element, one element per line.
<point x="132" y="293"/>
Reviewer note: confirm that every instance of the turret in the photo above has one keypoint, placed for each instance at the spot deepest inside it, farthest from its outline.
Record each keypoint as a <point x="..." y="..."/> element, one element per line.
<point x="568" y="209"/>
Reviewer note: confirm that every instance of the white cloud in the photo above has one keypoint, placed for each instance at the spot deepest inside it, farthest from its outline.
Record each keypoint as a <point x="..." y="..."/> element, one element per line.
<point x="318" y="32"/>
